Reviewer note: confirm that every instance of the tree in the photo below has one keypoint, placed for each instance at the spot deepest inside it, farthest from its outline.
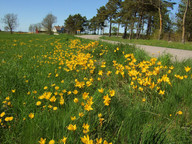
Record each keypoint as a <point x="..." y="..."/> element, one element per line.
<point x="101" y="17"/>
<point x="10" y="21"/>
<point x="184" y="19"/>
<point x="48" y="21"/>
<point x="34" y="27"/>
<point x="111" y="8"/>
<point x="74" y="23"/>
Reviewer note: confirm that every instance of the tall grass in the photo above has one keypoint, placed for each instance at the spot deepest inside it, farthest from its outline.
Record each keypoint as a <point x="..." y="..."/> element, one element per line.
<point x="35" y="64"/>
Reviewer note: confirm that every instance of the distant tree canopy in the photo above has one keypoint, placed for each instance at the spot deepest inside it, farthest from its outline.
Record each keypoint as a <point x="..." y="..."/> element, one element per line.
<point x="136" y="16"/>
<point x="10" y="21"/>
<point x="34" y="27"/>
<point x="74" y="23"/>
<point x="48" y="22"/>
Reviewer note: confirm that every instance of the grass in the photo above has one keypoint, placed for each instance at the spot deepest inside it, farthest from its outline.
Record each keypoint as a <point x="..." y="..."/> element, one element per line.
<point x="161" y="43"/>
<point x="144" y="100"/>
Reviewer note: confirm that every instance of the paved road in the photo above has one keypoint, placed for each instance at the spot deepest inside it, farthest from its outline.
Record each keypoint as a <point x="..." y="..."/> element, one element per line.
<point x="154" y="51"/>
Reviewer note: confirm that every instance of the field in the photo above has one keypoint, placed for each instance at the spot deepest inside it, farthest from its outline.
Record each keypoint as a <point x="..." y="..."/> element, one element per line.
<point x="62" y="89"/>
<point x="153" y="42"/>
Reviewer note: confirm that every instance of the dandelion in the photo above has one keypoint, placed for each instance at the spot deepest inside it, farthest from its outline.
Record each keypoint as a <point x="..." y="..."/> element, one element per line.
<point x="54" y="108"/>
<point x="62" y="81"/>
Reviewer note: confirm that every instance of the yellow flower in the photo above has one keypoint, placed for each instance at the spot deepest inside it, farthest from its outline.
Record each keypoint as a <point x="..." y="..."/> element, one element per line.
<point x="56" y="88"/>
<point x="81" y="114"/>
<point x="179" y="112"/>
<point x="88" y="107"/>
<point x="2" y="114"/>
<point x="100" y="72"/>
<point x="13" y="91"/>
<point x="45" y="87"/>
<point x="75" y="92"/>
<point x="34" y="91"/>
<point x="106" y="100"/>
<point x="54" y="108"/>
<point x="72" y="127"/>
<point x="143" y="100"/>
<point x="86" y="140"/>
<point x="64" y="139"/>
<point x="187" y="69"/>
<point x="101" y="90"/>
<point x="62" y="81"/>
<point x="8" y="118"/>
<point x="108" y="73"/>
<point x="161" y="92"/>
<point x="73" y="118"/>
<point x="31" y="115"/>
<point x="52" y="142"/>
<point x="69" y="92"/>
<point x="105" y="142"/>
<point x="61" y="101"/>
<point x="100" y="115"/>
<point x="85" y="126"/>
<point x="85" y="95"/>
<point x="98" y="141"/>
<point x="38" y="103"/>
<point x="42" y="141"/>
<point x="112" y="93"/>
<point x="76" y="100"/>
<point x="53" y="99"/>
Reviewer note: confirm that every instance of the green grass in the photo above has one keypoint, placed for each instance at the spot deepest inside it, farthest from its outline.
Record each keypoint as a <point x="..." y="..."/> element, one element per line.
<point x="161" y="43"/>
<point x="128" y="118"/>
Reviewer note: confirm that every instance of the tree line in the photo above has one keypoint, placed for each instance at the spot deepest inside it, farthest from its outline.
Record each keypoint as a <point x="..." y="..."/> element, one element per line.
<point x="138" y="18"/>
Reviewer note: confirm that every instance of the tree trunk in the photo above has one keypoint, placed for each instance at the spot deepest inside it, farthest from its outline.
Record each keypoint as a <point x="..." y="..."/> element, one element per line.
<point x="11" y="30"/>
<point x="118" y="29"/>
<point x="149" y="25"/>
<point x="139" y="26"/>
<point x="184" y="17"/>
<point x="125" y="32"/>
<point x="160" y="24"/>
<point x="110" y="26"/>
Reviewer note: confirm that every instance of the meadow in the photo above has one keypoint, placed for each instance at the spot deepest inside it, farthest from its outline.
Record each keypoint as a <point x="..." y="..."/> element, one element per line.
<point x="153" y="42"/>
<point x="67" y="90"/>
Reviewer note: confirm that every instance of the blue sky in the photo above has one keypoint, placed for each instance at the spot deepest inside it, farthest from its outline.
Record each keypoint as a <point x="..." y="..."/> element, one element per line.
<point x="33" y="11"/>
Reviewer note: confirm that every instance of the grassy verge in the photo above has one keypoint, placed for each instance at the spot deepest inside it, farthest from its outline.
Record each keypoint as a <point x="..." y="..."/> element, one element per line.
<point x="61" y="89"/>
<point x="161" y="43"/>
